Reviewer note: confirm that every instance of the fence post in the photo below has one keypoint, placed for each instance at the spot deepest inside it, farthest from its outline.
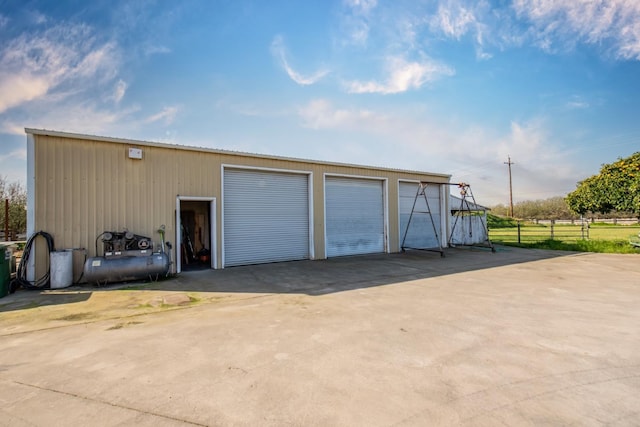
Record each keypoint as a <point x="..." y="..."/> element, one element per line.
<point x="553" y="221"/>
<point x="518" y="232"/>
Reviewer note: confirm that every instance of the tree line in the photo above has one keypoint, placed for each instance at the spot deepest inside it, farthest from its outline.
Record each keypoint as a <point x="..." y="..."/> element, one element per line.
<point x="552" y="208"/>
<point x="16" y="195"/>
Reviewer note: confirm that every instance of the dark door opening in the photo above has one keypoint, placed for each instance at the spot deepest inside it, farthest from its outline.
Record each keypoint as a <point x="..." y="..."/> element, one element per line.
<point x="195" y="228"/>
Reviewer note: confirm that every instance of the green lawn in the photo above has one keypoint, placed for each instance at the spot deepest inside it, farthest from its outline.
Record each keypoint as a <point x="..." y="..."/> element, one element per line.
<point x="602" y="237"/>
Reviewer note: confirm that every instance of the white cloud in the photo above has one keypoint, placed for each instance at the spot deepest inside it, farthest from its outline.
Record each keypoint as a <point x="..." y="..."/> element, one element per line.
<point x="75" y="116"/>
<point x="16" y="89"/>
<point x="64" y="56"/>
<point x="402" y="76"/>
<point x="167" y="115"/>
<point x="454" y="20"/>
<point x="155" y="49"/>
<point x="557" y="23"/>
<point x="119" y="91"/>
<point x="356" y="20"/>
<point x="320" y="114"/>
<point x="577" y="103"/>
<point x="278" y="50"/>
<point x="471" y="153"/>
<point x="20" y="154"/>
<point x="3" y="21"/>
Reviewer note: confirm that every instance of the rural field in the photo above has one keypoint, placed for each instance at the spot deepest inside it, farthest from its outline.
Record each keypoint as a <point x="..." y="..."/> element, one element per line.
<point x="595" y="238"/>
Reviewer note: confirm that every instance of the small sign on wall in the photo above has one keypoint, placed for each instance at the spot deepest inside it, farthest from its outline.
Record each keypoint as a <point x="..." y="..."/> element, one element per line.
<point x="135" y="153"/>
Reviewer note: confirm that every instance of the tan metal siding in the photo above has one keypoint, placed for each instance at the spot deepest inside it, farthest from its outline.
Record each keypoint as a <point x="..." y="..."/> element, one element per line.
<point x="85" y="186"/>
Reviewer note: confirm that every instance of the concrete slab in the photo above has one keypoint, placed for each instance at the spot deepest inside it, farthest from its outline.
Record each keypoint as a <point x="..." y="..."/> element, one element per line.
<point x="516" y="338"/>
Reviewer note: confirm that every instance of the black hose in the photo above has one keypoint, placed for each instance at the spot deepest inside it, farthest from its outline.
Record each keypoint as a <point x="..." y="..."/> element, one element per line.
<point x="21" y="272"/>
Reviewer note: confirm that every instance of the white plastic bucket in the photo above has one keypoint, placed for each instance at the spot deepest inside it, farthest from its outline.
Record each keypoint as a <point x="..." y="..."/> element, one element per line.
<point x="61" y="269"/>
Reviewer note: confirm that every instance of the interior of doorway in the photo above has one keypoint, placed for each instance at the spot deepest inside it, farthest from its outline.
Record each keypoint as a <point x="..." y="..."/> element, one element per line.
<point x="195" y="235"/>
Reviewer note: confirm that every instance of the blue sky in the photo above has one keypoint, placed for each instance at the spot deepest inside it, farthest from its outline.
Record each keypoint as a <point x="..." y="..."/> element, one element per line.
<point x="442" y="86"/>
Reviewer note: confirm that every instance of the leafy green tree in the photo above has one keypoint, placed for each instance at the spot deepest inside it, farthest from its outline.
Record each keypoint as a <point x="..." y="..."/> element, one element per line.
<point x="615" y="188"/>
<point x="17" y="196"/>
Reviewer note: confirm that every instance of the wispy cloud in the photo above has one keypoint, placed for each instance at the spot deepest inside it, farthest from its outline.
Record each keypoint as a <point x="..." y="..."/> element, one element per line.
<point x="19" y="154"/>
<point x="457" y="19"/>
<point x="577" y="103"/>
<point x="64" y="56"/>
<point x="408" y="140"/>
<point x="156" y="49"/>
<point x="556" y="24"/>
<point x="278" y="50"/>
<point x="3" y="20"/>
<point x="356" y="20"/>
<point x="84" y="116"/>
<point x="119" y="91"/>
<point x="552" y="25"/>
<point x="167" y="115"/>
<point x="320" y="114"/>
<point x="454" y="20"/>
<point x="402" y="75"/>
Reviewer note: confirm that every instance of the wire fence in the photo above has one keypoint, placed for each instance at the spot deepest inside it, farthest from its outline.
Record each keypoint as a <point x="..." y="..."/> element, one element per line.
<point x="531" y="233"/>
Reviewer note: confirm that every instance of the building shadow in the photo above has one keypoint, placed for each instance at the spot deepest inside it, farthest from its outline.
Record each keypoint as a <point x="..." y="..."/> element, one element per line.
<point x="344" y="273"/>
<point x="24" y="299"/>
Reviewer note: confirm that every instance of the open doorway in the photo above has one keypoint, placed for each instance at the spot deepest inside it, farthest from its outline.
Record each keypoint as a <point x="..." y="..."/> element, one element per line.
<point x="195" y="233"/>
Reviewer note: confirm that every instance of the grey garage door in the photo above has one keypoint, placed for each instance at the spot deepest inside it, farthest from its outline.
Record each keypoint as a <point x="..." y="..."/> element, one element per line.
<point x="266" y="217"/>
<point x="355" y="216"/>
<point x="421" y="234"/>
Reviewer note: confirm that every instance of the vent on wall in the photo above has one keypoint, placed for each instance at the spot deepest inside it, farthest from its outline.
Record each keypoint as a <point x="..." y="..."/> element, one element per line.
<point x="135" y="153"/>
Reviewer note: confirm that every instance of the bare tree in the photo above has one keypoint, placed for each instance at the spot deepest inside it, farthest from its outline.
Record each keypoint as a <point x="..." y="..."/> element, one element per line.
<point x="15" y="193"/>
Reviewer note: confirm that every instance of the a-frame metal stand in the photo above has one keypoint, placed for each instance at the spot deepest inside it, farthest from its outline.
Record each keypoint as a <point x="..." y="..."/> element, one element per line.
<point x="469" y="210"/>
<point x="422" y="192"/>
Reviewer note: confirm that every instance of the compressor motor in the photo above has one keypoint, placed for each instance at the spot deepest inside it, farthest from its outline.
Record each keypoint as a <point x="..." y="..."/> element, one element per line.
<point x="126" y="257"/>
<point x="125" y="243"/>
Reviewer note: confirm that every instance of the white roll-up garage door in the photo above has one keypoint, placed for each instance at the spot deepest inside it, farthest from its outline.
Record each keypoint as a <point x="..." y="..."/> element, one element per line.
<point x="421" y="234"/>
<point x="354" y="216"/>
<point x="266" y="216"/>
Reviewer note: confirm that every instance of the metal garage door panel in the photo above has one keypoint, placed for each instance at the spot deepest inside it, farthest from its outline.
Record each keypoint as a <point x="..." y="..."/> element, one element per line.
<point x="266" y="217"/>
<point x="355" y="216"/>
<point x="420" y="234"/>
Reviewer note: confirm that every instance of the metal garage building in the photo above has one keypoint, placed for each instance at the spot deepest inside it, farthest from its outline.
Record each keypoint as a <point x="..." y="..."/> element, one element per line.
<point x="243" y="208"/>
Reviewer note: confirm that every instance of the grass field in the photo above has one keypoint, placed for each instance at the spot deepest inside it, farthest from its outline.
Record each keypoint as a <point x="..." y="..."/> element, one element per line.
<point x="601" y="237"/>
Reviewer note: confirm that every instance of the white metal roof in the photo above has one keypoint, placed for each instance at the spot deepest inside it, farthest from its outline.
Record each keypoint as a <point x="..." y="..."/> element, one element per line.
<point x="455" y="204"/>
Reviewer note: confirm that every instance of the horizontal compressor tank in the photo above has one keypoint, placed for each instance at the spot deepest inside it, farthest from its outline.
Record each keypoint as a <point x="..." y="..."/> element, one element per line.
<point x="111" y="270"/>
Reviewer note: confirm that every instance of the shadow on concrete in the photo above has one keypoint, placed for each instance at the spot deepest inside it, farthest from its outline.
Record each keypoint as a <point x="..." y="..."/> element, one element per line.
<point x="345" y="273"/>
<point x="302" y="277"/>
<point x="24" y="299"/>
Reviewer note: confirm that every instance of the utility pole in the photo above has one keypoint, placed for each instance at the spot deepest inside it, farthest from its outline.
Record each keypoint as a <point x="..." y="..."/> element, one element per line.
<point x="509" y="163"/>
<point x="6" y="220"/>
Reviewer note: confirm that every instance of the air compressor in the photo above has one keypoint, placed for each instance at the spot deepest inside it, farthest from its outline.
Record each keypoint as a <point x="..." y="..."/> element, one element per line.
<point x="126" y="257"/>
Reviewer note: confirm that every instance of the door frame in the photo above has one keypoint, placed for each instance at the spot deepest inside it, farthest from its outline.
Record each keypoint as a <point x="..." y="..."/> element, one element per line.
<point x="212" y="229"/>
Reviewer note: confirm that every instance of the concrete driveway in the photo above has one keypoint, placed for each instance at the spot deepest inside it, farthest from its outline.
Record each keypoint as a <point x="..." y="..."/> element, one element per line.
<point x="519" y="337"/>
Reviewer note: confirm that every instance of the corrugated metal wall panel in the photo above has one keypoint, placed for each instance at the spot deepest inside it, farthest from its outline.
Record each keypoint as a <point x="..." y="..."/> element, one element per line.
<point x="355" y="216"/>
<point x="266" y="217"/>
<point x="85" y="186"/>
<point x="468" y="229"/>
<point x="421" y="232"/>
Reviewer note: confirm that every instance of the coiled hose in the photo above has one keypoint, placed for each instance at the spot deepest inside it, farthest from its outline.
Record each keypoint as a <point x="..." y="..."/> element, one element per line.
<point x="21" y="272"/>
